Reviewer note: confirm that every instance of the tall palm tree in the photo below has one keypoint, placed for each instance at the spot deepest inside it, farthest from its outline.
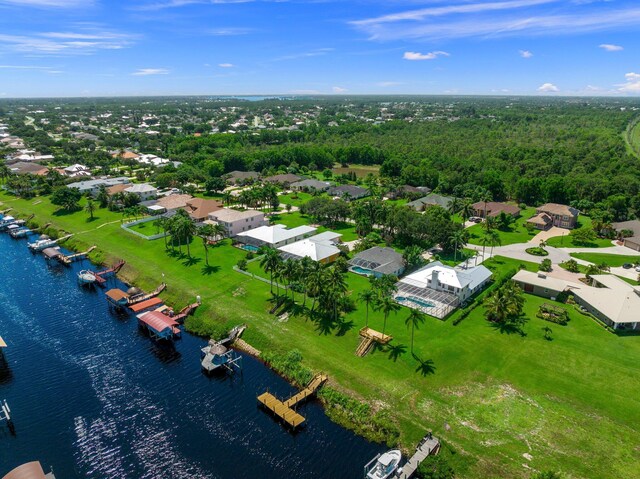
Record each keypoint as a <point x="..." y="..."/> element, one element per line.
<point x="270" y="262"/>
<point x="218" y="231"/>
<point x="494" y="239"/>
<point x="315" y="282"/>
<point x="161" y="223"/>
<point x="387" y="305"/>
<point x="466" y="209"/>
<point x="504" y="303"/>
<point x="486" y="197"/>
<point x="459" y="239"/>
<point x="90" y="207"/>
<point x="306" y="265"/>
<point x="367" y="296"/>
<point x="454" y="205"/>
<point x="205" y="232"/>
<point x="335" y="289"/>
<point x="227" y="197"/>
<point x="415" y="319"/>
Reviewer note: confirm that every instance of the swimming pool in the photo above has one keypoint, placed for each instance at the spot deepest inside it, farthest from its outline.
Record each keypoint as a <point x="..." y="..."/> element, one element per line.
<point x="250" y="247"/>
<point x="363" y="271"/>
<point x="414" y="300"/>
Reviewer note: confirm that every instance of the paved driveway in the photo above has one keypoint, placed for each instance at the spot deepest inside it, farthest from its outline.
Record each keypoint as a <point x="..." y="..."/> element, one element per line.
<point x="550" y="233"/>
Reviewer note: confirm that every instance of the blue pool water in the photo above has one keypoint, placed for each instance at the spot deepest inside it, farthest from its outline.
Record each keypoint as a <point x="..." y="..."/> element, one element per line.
<point x="363" y="271"/>
<point x="249" y="247"/>
<point x="413" y="299"/>
<point x="94" y="397"/>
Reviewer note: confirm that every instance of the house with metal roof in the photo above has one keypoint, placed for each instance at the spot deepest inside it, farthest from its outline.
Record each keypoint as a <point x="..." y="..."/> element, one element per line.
<point x="437" y="289"/>
<point x="145" y="191"/>
<point x="93" y="186"/>
<point x="377" y="261"/>
<point x="321" y="248"/>
<point x="274" y="236"/>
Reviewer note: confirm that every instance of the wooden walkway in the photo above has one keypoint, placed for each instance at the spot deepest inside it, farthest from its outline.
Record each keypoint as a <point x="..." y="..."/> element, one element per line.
<point x="283" y="409"/>
<point x="369" y="336"/>
<point x="143" y="297"/>
<point x="68" y="259"/>
<point x="426" y="447"/>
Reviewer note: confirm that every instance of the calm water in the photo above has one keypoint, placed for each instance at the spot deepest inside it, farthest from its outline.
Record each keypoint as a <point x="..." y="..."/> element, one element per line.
<point x="93" y="397"/>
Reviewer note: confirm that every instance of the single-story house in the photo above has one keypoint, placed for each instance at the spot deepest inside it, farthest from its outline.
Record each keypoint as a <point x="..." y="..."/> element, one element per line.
<point x="167" y="203"/>
<point x="321" y="248"/>
<point x="283" y="179"/>
<point x="378" y="261"/>
<point x="144" y="190"/>
<point x="494" y="208"/>
<point x="238" y="221"/>
<point x="633" y="226"/>
<point x="274" y="236"/>
<point x="24" y="168"/>
<point x="540" y="284"/>
<point x="112" y="190"/>
<point x="125" y="155"/>
<point x="93" y="186"/>
<point x="554" y="214"/>
<point x="351" y="192"/>
<point x="75" y="170"/>
<point x="432" y="199"/>
<point x="311" y="184"/>
<point x="612" y="300"/>
<point x="200" y="208"/>
<point x="408" y="191"/>
<point x="239" y="177"/>
<point x="437" y="289"/>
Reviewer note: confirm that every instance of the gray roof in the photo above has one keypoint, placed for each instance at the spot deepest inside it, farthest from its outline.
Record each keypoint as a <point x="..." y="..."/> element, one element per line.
<point x="315" y="184"/>
<point x="352" y="190"/>
<point x="89" y="184"/>
<point x="431" y="199"/>
<point x="382" y="260"/>
<point x="633" y="225"/>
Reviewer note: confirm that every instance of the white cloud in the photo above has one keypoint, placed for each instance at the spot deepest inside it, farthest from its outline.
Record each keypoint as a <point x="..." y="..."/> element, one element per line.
<point x="548" y="88"/>
<point x="48" y="3"/>
<point x="632" y="85"/>
<point x="314" y="53"/>
<point x="67" y="43"/>
<point x="424" y="56"/>
<point x="226" y="65"/>
<point x="150" y="71"/>
<point x="525" y="54"/>
<point x="611" y="48"/>
<point x="338" y="90"/>
<point x="386" y="84"/>
<point x="229" y="31"/>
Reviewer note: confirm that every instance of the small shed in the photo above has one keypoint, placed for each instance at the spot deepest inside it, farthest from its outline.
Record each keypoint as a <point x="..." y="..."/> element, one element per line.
<point x="117" y="297"/>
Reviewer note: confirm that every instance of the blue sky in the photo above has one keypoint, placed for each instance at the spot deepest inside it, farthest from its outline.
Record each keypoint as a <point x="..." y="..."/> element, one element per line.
<point x="165" y="47"/>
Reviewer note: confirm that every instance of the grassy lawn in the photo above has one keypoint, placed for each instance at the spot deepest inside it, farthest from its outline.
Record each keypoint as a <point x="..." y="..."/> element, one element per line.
<point x="295" y="199"/>
<point x="566" y="241"/>
<point x="147" y="228"/>
<point x="296" y="218"/>
<point x="501" y="395"/>
<point x="516" y="234"/>
<point x="454" y="260"/>
<point x="610" y="259"/>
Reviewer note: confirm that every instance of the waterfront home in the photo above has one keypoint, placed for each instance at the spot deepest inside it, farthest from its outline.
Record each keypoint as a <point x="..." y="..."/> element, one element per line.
<point x="543" y="285"/>
<point x="310" y="185"/>
<point x="144" y="191"/>
<point x="321" y="248"/>
<point x="554" y="214"/>
<point x="168" y="203"/>
<point x="612" y="300"/>
<point x="274" y="236"/>
<point x="236" y="221"/>
<point x="348" y="192"/>
<point x="494" y="208"/>
<point x="437" y="289"/>
<point x="199" y="208"/>
<point x="432" y="199"/>
<point x="378" y="261"/>
<point x="92" y="187"/>
<point x="629" y="233"/>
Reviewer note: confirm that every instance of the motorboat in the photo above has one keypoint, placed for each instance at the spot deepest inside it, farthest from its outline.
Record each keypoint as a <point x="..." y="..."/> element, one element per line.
<point x="41" y="243"/>
<point x="386" y="465"/>
<point x="7" y="221"/>
<point x="86" y="277"/>
<point x="19" y="232"/>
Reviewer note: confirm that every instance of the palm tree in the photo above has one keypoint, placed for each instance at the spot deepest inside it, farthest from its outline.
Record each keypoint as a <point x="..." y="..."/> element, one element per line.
<point x="459" y="239"/>
<point x="306" y="265"/>
<point x="454" y="205"/>
<point x="189" y="229"/>
<point x="4" y="172"/>
<point x="466" y="209"/>
<point x="205" y="232"/>
<point x="486" y="198"/>
<point x="504" y="303"/>
<point x="387" y="305"/>
<point x="90" y="208"/>
<point x="367" y="296"/>
<point x="161" y="224"/>
<point x="415" y="319"/>
<point x="334" y="289"/>
<point x="494" y="239"/>
<point x="226" y="198"/>
<point x="270" y="262"/>
<point x="218" y="231"/>
<point x="315" y="282"/>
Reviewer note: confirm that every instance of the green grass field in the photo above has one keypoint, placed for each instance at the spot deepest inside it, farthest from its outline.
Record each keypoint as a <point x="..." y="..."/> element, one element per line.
<point x="566" y="241"/>
<point x="566" y="402"/>
<point x="294" y="219"/>
<point x="613" y="260"/>
<point x="295" y="199"/>
<point x="516" y="234"/>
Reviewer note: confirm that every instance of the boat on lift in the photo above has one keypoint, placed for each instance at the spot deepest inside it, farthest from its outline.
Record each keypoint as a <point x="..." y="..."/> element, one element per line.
<point x="19" y="232"/>
<point x="86" y="277"/>
<point x="10" y="221"/>
<point x="43" y="242"/>
<point x="386" y="466"/>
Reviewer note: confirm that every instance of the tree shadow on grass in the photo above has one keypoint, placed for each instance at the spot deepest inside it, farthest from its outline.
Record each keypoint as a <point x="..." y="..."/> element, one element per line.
<point x="343" y="327"/>
<point x="510" y="327"/>
<point x="65" y="212"/>
<point x="425" y="366"/>
<point x="191" y="261"/>
<point x="91" y="220"/>
<point x="395" y="351"/>
<point x="210" y="269"/>
<point x="324" y="324"/>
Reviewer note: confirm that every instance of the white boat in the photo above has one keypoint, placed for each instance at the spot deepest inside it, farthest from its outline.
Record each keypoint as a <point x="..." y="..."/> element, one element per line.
<point x="19" y="232"/>
<point x="7" y="221"/>
<point x="42" y="243"/>
<point x="86" y="277"/>
<point x="386" y="466"/>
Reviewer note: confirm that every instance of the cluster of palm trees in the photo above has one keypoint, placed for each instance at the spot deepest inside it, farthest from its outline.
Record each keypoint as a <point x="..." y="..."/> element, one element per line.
<point x="256" y="197"/>
<point x="504" y="305"/>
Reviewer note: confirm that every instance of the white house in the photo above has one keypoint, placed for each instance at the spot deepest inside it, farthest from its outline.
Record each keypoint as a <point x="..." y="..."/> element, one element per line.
<point x="76" y="170"/>
<point x="321" y="248"/>
<point x="93" y="186"/>
<point x="274" y="236"/>
<point x="238" y="221"/>
<point x="144" y="190"/>
<point x="438" y="289"/>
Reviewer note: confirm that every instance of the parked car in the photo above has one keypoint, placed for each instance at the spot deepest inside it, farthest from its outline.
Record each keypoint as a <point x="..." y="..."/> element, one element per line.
<point x="627" y="266"/>
<point x="638" y="269"/>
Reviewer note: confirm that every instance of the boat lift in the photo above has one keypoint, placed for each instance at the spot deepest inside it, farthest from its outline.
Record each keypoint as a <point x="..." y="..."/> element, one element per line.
<point x="5" y="412"/>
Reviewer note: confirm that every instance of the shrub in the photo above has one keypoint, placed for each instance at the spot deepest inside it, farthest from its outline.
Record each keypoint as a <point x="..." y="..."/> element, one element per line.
<point x="242" y="264"/>
<point x="537" y="251"/>
<point x="545" y="265"/>
<point x="571" y="265"/>
<point x="435" y="467"/>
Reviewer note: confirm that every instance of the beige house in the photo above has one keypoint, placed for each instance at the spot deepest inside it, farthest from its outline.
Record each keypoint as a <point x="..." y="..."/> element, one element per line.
<point x="238" y="221"/>
<point x="554" y="214"/>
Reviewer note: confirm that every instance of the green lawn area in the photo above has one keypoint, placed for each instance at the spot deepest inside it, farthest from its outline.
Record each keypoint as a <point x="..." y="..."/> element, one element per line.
<point x="296" y="218"/>
<point x="454" y="260"/>
<point x="516" y="234"/>
<point x="566" y="241"/>
<point x="610" y="259"/>
<point x="147" y="228"/>
<point x="295" y="199"/>
<point x="501" y="395"/>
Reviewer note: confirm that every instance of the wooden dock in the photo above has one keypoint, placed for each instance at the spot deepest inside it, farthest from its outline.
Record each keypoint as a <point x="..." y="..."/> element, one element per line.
<point x="145" y="296"/>
<point x="284" y="409"/>
<point x="369" y="336"/>
<point x="68" y="259"/>
<point x="429" y="445"/>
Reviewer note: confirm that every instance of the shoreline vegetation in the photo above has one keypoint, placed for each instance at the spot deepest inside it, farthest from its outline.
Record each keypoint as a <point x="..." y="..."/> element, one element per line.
<point x="486" y="392"/>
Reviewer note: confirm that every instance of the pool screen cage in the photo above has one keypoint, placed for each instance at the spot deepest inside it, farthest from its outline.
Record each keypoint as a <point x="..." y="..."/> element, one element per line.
<point x="443" y="303"/>
<point x="364" y="264"/>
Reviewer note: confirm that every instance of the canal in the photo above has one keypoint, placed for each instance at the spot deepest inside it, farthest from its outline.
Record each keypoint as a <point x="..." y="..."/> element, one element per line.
<point x="93" y="397"/>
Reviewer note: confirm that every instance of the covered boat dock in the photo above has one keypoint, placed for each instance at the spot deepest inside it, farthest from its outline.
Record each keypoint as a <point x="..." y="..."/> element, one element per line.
<point x="118" y="298"/>
<point x="159" y="325"/>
